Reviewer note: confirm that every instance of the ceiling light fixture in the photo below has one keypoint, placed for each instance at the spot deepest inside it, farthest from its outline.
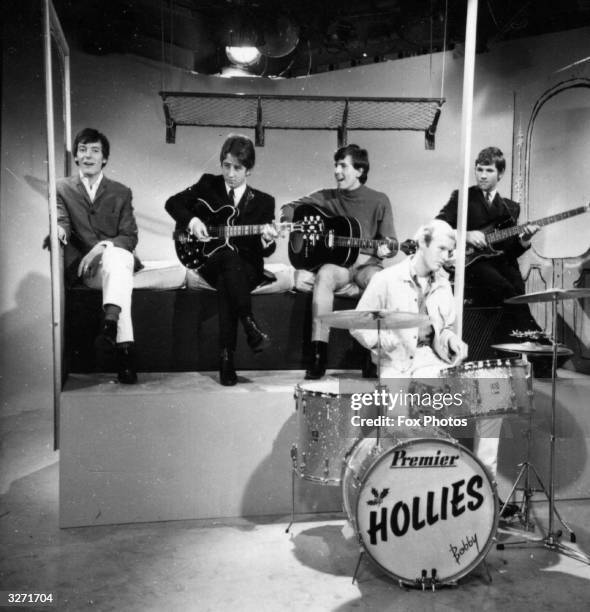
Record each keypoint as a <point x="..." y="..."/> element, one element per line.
<point x="243" y="55"/>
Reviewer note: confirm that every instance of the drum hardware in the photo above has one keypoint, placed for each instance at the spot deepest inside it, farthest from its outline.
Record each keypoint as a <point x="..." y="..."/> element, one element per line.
<point x="494" y="387"/>
<point x="552" y="538"/>
<point x="331" y="424"/>
<point x="325" y="430"/>
<point x="375" y="319"/>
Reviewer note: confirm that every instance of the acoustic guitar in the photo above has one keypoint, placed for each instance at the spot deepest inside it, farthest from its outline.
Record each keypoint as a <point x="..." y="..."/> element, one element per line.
<point x="326" y="238"/>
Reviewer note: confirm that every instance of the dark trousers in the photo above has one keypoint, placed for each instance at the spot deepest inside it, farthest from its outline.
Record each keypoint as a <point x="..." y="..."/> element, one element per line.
<point x="234" y="278"/>
<point x="494" y="280"/>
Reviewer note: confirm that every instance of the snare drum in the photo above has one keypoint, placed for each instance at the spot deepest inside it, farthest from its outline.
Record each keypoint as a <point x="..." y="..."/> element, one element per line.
<point x="325" y="429"/>
<point x="489" y="388"/>
<point x="424" y="509"/>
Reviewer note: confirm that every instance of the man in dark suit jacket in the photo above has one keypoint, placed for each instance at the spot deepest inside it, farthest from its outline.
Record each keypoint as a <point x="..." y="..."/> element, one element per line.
<point x="96" y="221"/>
<point x="490" y="281"/>
<point x="234" y="271"/>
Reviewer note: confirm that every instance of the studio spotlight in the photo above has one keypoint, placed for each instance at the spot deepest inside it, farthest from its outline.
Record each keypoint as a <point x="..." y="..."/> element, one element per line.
<point x="242" y="56"/>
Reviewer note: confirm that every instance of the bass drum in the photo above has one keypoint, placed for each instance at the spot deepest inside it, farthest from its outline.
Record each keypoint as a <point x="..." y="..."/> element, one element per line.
<point x="424" y="508"/>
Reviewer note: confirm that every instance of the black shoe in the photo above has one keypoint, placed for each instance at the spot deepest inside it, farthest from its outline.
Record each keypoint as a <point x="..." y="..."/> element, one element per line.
<point x="317" y="367"/>
<point x="126" y="372"/>
<point x="107" y="337"/>
<point x="257" y="339"/>
<point x="227" y="372"/>
<point x="508" y="510"/>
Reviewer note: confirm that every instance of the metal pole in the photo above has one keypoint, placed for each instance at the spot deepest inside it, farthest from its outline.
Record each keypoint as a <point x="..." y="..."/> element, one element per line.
<point x="53" y="240"/>
<point x="466" y="125"/>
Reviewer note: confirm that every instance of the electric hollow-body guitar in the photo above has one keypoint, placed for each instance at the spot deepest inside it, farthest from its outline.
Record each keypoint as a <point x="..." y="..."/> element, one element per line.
<point x="322" y="238"/>
<point x="193" y="253"/>
<point x="496" y="233"/>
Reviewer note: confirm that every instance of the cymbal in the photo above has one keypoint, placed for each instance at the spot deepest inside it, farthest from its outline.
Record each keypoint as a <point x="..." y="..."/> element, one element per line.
<point x="549" y="295"/>
<point x="368" y="319"/>
<point x="533" y="348"/>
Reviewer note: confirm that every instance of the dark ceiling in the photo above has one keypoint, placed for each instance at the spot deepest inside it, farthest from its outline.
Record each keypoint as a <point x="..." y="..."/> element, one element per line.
<point x="192" y="34"/>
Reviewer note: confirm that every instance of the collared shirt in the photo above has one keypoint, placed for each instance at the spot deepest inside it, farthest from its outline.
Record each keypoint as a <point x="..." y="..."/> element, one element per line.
<point x="492" y="196"/>
<point x="91" y="189"/>
<point x="423" y="286"/>
<point x="394" y="289"/>
<point x="238" y="192"/>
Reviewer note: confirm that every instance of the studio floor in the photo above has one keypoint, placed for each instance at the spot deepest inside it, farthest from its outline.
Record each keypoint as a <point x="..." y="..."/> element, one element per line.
<point x="241" y="564"/>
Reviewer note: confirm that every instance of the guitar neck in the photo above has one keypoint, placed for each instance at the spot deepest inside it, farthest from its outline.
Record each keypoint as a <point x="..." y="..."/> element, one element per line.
<point x="231" y="231"/>
<point x="361" y="243"/>
<point x="503" y="234"/>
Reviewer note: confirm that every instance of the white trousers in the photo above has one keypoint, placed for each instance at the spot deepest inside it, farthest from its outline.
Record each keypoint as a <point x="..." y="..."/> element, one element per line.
<point x="115" y="278"/>
<point x="486" y="439"/>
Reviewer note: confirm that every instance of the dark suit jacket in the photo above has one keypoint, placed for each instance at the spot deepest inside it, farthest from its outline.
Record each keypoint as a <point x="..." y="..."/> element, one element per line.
<point x="109" y="217"/>
<point x="255" y="208"/>
<point x="480" y="215"/>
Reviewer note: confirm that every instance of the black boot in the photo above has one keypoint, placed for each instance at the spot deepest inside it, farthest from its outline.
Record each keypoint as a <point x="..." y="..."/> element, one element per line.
<point x="107" y="336"/>
<point x="369" y="369"/>
<point x="227" y="372"/>
<point x="126" y="372"/>
<point x="317" y="367"/>
<point x="257" y="339"/>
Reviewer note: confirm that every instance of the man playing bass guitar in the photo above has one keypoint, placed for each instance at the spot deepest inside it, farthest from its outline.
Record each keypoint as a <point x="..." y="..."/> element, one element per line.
<point x="491" y="278"/>
<point x="372" y="209"/>
<point x="236" y="267"/>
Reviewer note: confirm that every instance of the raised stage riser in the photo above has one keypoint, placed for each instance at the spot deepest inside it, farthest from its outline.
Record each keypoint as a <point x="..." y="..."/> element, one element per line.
<point x="178" y="446"/>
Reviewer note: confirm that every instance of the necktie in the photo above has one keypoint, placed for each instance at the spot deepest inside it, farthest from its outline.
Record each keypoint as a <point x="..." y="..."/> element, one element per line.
<point x="231" y="196"/>
<point x="488" y="198"/>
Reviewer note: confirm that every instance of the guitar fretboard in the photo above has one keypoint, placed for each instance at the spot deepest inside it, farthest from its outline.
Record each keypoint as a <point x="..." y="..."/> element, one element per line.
<point x="230" y="231"/>
<point x="503" y="234"/>
<point x="361" y="243"/>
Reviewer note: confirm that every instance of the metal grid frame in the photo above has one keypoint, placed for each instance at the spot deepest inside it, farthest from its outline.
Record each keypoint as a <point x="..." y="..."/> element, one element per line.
<point x="284" y="112"/>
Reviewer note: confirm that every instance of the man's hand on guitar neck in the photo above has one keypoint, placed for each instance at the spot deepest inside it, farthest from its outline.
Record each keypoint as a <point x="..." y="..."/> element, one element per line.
<point x="384" y="252"/>
<point x="269" y="235"/>
<point x="528" y="231"/>
<point x="476" y="239"/>
<point x="198" y="229"/>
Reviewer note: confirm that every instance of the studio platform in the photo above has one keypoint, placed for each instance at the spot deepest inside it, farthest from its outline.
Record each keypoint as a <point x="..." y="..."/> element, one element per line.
<point x="180" y="446"/>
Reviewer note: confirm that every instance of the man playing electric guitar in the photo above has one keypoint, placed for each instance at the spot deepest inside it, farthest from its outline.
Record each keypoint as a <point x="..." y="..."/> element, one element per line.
<point x="372" y="209"/>
<point x="492" y="278"/>
<point x="235" y="268"/>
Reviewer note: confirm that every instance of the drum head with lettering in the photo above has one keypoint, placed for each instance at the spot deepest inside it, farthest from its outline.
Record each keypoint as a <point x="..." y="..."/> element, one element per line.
<point x="427" y="508"/>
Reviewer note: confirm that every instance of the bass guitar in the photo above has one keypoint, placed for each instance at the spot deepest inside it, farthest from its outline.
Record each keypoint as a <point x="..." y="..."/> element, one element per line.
<point x="323" y="238"/>
<point x="193" y="253"/>
<point x="495" y="234"/>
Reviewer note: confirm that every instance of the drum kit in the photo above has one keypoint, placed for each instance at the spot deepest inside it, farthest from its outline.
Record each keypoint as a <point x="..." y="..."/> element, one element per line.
<point x="424" y="527"/>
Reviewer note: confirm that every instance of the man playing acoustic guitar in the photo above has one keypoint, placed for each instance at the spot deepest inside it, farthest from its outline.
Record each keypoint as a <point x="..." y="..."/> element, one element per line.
<point x="372" y="209"/>
<point x="491" y="280"/>
<point x="236" y="268"/>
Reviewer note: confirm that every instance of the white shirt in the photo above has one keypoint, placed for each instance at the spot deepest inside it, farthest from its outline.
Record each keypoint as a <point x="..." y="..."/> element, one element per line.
<point x="91" y="189"/>
<point x="238" y="192"/>
<point x="492" y="195"/>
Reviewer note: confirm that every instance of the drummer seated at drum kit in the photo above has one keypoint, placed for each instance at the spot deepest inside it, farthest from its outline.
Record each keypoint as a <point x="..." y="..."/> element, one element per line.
<point x="420" y="284"/>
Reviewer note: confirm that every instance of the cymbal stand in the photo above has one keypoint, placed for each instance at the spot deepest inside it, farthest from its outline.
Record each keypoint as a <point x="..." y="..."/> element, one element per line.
<point x="526" y="467"/>
<point x="552" y="537"/>
<point x="380" y="412"/>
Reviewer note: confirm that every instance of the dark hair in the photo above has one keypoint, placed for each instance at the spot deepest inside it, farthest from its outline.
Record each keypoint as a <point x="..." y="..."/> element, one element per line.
<point x="91" y="135"/>
<point x="359" y="157"/>
<point x="241" y="147"/>
<point x="491" y="156"/>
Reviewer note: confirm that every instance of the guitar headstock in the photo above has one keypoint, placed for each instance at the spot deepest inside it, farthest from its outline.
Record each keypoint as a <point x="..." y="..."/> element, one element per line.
<point x="409" y="246"/>
<point x="310" y="226"/>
